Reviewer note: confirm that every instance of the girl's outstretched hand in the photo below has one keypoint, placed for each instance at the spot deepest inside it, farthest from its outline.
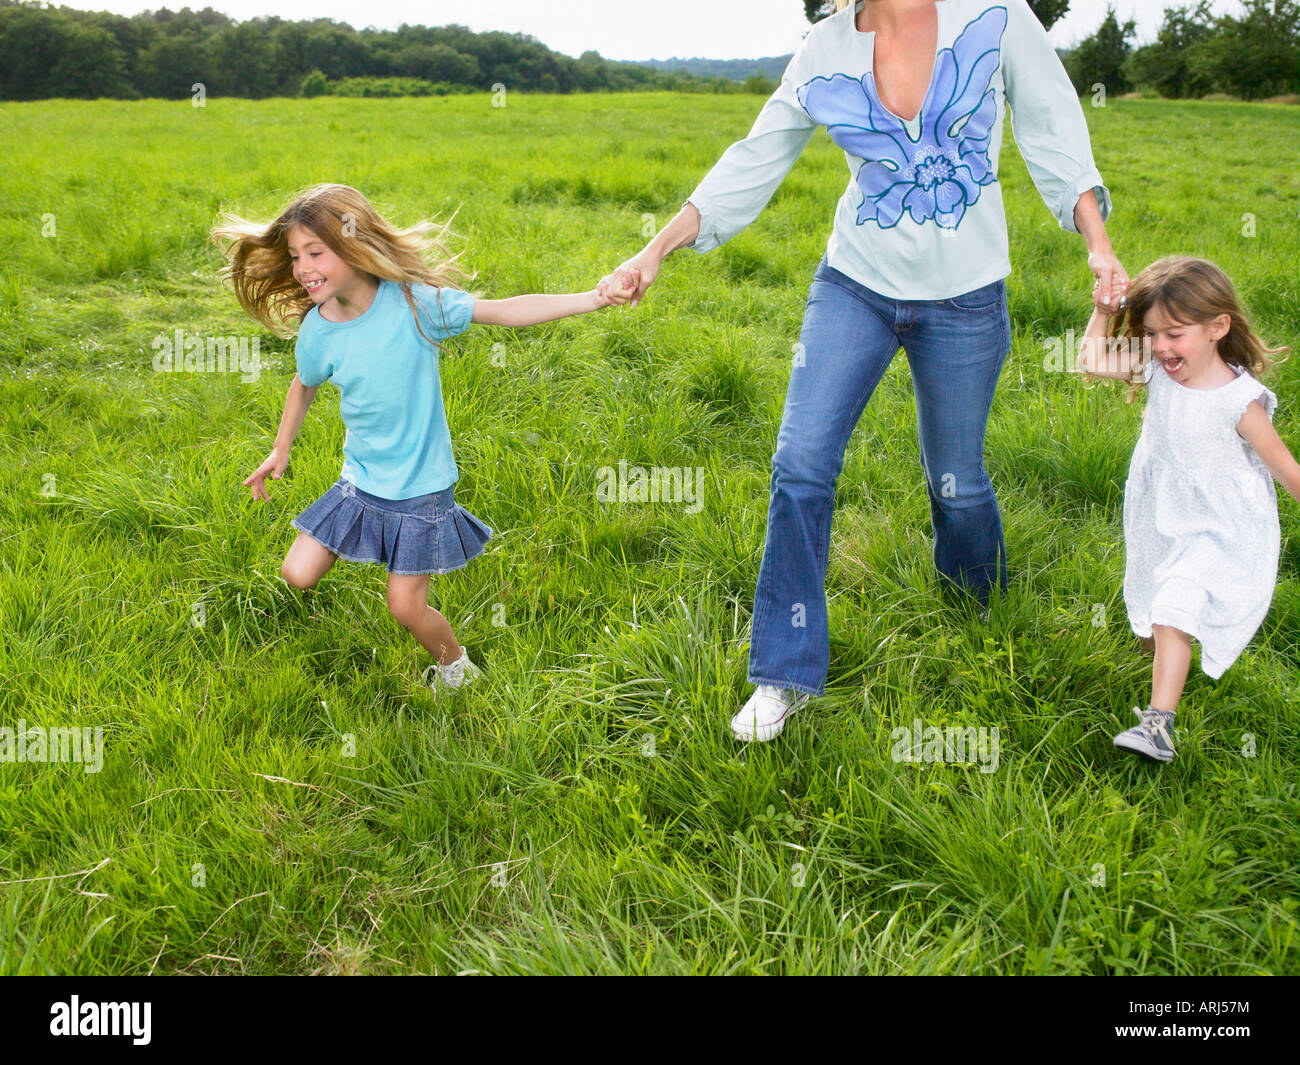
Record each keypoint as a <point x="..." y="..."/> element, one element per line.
<point x="619" y="287"/>
<point x="274" y="464"/>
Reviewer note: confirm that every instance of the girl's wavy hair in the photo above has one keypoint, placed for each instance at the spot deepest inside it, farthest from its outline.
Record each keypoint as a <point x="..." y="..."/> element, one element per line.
<point x="261" y="272"/>
<point x="1192" y="292"/>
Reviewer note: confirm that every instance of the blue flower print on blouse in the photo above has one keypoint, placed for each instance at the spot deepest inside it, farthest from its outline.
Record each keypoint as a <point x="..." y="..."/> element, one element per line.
<point x="941" y="173"/>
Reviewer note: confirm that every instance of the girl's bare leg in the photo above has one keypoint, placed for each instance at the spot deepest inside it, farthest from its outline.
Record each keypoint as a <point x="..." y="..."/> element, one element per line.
<point x="1169" y="671"/>
<point x="408" y="602"/>
<point x="307" y="562"/>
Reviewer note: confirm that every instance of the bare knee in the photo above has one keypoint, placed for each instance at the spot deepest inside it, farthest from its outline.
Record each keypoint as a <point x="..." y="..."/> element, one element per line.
<point x="406" y="612"/>
<point x="298" y="576"/>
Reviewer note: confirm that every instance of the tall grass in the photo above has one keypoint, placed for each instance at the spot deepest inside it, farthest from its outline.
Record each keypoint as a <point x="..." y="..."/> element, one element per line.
<point x="279" y="792"/>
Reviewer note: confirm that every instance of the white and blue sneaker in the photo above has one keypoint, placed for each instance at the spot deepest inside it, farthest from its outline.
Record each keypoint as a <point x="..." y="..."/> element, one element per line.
<point x="453" y="676"/>
<point x="1150" y="736"/>
<point x="764" y="715"/>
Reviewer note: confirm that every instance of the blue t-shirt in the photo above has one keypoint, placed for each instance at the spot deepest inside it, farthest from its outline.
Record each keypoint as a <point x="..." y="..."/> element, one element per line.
<point x="397" y="444"/>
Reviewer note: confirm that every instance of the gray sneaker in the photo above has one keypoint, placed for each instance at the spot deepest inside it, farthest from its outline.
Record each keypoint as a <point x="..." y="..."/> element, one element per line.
<point x="1150" y="736"/>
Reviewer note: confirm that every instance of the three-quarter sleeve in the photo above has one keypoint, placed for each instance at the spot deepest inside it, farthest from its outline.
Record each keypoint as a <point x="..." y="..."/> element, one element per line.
<point x="742" y="181"/>
<point x="1047" y="118"/>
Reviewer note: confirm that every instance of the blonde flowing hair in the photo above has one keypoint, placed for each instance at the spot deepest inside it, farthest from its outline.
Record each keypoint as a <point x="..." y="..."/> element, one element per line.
<point x="261" y="272"/>
<point x="1193" y="292"/>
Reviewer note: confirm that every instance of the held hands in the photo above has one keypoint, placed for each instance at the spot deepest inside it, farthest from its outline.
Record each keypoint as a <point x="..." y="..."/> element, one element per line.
<point x="625" y="284"/>
<point x="274" y="464"/>
<point x="1110" y="293"/>
<point x="619" y="287"/>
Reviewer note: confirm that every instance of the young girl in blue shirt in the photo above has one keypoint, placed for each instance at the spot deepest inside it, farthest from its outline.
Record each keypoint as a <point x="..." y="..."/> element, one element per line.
<point x="371" y="302"/>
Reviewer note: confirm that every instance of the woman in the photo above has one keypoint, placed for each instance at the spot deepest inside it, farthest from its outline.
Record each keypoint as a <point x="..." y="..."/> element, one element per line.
<point x="917" y="259"/>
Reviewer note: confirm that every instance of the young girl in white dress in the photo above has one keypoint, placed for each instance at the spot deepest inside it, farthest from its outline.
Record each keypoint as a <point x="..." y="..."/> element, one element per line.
<point x="1200" y="510"/>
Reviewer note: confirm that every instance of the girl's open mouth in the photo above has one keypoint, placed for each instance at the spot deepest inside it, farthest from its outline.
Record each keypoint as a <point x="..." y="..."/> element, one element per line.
<point x="312" y="286"/>
<point x="1174" y="364"/>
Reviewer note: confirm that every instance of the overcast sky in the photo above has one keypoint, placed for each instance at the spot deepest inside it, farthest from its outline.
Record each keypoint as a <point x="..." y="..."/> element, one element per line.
<point x="657" y="29"/>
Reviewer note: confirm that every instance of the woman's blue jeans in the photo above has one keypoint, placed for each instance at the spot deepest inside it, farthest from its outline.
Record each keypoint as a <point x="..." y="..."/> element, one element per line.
<point x="955" y="348"/>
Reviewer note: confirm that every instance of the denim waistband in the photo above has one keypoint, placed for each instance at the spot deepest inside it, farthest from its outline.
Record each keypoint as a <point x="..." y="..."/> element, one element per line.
<point x="437" y="502"/>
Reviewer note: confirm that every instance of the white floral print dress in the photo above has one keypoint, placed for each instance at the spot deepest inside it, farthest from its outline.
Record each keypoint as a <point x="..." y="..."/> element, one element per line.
<point x="1201" y="530"/>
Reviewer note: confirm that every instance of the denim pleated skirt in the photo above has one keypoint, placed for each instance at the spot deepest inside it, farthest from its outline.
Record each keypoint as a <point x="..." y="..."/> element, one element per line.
<point x="424" y="534"/>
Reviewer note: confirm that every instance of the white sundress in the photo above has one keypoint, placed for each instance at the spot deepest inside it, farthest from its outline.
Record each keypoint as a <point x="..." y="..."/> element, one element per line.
<point x="1201" y="530"/>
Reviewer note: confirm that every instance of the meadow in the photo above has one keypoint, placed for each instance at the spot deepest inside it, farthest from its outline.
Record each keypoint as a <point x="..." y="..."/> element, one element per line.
<point x="280" y="793"/>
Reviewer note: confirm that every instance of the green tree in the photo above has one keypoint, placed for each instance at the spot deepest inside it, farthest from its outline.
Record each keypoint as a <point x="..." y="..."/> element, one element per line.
<point x="242" y="61"/>
<point x="314" y="84"/>
<point x="1101" y="58"/>
<point x="1163" y="64"/>
<point x="437" y="62"/>
<point x="90" y="64"/>
<point x="1049" y="12"/>
<point x="130" y="34"/>
<point x="31" y="42"/>
<point x="169" y="66"/>
<point x="1253" y="56"/>
<point x="335" y="50"/>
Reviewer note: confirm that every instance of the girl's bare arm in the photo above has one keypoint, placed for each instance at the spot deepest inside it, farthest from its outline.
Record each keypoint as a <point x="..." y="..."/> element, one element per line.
<point x="295" y="410"/>
<point x="536" y="309"/>
<point x="296" y="403"/>
<point x="1102" y="356"/>
<point x="533" y="310"/>
<point x="1259" y="433"/>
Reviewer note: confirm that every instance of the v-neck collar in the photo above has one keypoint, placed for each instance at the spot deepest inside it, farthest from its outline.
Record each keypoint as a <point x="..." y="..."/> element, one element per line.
<point x="908" y="124"/>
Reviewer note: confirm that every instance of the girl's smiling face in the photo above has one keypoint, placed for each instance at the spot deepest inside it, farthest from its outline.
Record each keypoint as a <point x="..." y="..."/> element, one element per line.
<point x="316" y="267"/>
<point x="1185" y="351"/>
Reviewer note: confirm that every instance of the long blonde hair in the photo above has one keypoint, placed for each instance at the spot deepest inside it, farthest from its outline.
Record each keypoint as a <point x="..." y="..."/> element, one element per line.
<point x="1194" y="292"/>
<point x="261" y="272"/>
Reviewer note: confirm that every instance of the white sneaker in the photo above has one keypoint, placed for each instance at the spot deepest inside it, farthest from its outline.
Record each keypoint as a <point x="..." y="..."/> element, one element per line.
<point x="763" y="717"/>
<point x="453" y="676"/>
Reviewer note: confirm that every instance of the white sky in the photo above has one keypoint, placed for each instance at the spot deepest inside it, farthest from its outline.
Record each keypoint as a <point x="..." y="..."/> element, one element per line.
<point x="628" y="29"/>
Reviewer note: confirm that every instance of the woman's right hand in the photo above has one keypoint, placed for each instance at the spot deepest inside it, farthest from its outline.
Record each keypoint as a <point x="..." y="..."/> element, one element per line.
<point x="274" y="464"/>
<point x="647" y="265"/>
<point x="682" y="231"/>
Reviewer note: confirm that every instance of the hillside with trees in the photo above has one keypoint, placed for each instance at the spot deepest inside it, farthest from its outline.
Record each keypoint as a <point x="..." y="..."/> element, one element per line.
<point x="48" y="51"/>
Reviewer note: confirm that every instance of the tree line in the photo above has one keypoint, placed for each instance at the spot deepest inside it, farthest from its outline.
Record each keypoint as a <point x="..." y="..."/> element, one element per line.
<point x="48" y="51"/>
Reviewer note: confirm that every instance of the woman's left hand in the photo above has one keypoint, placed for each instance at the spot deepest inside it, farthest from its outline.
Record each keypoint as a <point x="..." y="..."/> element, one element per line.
<point x="1111" y="290"/>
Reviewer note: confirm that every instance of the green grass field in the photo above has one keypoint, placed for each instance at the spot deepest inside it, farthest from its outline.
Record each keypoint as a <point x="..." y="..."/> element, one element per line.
<point x="279" y="793"/>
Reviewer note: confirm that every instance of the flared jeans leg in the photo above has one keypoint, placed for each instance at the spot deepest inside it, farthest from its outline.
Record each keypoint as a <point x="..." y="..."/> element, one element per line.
<point x="850" y="335"/>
